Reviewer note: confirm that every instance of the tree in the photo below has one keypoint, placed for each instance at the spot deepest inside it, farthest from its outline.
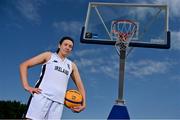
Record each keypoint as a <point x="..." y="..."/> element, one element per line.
<point x="12" y="109"/>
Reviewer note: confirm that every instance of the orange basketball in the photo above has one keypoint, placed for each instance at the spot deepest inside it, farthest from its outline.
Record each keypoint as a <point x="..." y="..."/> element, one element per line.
<point x="73" y="98"/>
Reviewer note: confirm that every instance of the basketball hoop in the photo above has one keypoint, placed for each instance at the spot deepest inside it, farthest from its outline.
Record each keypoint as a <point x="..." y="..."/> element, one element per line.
<point x="122" y="31"/>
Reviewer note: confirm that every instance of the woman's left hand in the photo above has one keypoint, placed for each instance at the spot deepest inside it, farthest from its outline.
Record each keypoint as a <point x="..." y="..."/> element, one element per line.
<point x="78" y="108"/>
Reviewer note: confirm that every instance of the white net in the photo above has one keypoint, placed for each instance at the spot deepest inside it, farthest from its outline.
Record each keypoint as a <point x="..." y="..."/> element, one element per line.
<point x="122" y="31"/>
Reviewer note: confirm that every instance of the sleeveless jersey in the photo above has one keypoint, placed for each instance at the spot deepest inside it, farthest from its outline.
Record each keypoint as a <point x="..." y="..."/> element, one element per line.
<point x="54" y="78"/>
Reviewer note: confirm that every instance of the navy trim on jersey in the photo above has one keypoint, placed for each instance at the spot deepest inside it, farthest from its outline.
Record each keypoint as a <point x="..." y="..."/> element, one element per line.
<point x="41" y="77"/>
<point x="36" y="86"/>
<point x="73" y="101"/>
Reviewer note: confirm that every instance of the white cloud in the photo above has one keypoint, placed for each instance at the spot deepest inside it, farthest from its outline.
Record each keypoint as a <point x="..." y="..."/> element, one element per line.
<point x="85" y="62"/>
<point x="109" y="66"/>
<point x="176" y="78"/>
<point x="70" y="27"/>
<point x="98" y="63"/>
<point x="87" y="51"/>
<point x="29" y="9"/>
<point x="147" y="67"/>
<point x="141" y="13"/>
<point x="173" y="5"/>
<point x="109" y="70"/>
<point x="175" y="40"/>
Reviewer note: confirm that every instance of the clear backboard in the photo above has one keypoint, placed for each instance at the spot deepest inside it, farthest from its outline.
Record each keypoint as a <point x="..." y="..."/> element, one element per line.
<point x="151" y="21"/>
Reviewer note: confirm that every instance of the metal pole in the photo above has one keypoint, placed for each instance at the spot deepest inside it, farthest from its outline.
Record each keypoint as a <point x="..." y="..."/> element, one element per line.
<point x="122" y="59"/>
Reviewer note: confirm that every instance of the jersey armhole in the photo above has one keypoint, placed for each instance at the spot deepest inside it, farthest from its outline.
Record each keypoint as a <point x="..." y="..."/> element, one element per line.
<point x="71" y="67"/>
<point x="49" y="58"/>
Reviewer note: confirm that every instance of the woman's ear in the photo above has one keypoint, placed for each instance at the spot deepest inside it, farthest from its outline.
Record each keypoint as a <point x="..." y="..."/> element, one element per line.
<point x="59" y="46"/>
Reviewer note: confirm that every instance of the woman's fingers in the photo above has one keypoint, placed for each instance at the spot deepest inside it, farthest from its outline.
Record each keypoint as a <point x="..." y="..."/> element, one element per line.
<point x="34" y="90"/>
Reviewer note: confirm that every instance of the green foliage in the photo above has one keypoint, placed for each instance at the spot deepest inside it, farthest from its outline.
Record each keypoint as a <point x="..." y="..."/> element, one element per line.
<point x="11" y="109"/>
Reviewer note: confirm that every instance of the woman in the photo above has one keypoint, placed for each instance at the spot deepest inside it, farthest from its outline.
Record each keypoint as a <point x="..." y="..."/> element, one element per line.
<point x="48" y="95"/>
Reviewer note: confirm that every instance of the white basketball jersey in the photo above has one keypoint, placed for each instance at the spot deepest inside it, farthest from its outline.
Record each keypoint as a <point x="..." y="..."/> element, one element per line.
<point x="54" y="78"/>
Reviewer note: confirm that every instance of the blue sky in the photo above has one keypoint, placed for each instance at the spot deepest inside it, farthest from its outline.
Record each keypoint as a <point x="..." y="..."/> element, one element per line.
<point x="152" y="78"/>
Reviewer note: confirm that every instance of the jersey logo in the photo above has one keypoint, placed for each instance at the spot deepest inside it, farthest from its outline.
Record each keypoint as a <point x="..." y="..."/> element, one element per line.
<point x="55" y="61"/>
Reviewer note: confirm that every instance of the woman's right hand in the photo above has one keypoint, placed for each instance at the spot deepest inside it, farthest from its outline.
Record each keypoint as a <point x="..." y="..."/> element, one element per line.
<point x="33" y="90"/>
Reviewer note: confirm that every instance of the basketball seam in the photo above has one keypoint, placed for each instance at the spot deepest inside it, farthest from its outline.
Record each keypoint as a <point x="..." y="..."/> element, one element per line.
<point x="73" y="101"/>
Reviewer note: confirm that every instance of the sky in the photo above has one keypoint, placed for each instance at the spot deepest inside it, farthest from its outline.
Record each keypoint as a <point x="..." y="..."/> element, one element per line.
<point x="152" y="76"/>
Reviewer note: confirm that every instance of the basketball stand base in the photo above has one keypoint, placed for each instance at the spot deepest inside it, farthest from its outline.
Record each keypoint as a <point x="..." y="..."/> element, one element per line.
<point x="119" y="112"/>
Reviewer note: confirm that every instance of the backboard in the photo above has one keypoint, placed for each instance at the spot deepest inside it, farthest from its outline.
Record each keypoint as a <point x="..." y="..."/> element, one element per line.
<point x="151" y="20"/>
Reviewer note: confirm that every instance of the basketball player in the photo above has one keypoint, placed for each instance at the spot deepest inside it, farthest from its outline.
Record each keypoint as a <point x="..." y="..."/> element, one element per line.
<point x="47" y="97"/>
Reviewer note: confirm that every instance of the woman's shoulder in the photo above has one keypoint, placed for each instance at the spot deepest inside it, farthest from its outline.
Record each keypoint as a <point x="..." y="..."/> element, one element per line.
<point x="46" y="53"/>
<point x="74" y="66"/>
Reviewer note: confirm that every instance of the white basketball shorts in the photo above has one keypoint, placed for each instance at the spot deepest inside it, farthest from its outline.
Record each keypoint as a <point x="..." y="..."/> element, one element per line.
<point x="43" y="108"/>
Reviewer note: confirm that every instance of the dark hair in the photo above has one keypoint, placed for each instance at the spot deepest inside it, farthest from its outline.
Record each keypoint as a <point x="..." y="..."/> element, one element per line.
<point x="62" y="40"/>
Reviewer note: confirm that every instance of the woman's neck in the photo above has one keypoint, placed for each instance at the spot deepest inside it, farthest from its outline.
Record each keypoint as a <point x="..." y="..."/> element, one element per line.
<point x="61" y="56"/>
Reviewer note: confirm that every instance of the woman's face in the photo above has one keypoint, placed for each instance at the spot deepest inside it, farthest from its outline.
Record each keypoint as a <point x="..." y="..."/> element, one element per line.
<point x="66" y="47"/>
